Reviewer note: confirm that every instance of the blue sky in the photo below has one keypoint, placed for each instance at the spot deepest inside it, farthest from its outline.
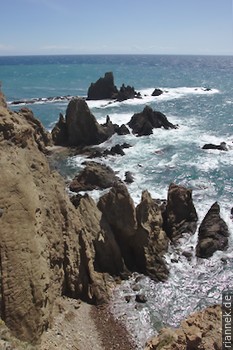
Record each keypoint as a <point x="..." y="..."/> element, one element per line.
<point x="122" y="26"/>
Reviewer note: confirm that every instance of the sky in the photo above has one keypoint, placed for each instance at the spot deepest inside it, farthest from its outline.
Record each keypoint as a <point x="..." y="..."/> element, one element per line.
<point x="42" y="27"/>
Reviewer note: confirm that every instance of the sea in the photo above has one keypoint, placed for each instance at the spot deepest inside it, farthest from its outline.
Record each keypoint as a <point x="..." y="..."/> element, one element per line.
<point x="198" y="96"/>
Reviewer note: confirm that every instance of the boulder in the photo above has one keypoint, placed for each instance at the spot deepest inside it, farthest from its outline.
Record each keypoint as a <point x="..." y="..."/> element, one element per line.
<point x="213" y="233"/>
<point x="180" y="215"/>
<point x="143" y="123"/>
<point x="103" y="88"/>
<point x="221" y="147"/>
<point x="129" y="177"/>
<point x="93" y="176"/>
<point x="157" y="92"/>
<point x="80" y="127"/>
<point x="201" y="330"/>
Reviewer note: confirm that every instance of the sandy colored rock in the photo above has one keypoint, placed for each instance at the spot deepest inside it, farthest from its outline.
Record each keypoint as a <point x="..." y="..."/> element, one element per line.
<point x="200" y="331"/>
<point x="44" y="252"/>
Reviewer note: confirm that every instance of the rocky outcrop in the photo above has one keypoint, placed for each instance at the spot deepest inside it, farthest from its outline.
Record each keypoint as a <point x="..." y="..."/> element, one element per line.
<point x="127" y="92"/>
<point x="213" y="233"/>
<point x="45" y="250"/>
<point x="103" y="88"/>
<point x="202" y="330"/>
<point x="80" y="127"/>
<point x="138" y="231"/>
<point x="150" y="241"/>
<point x="180" y="215"/>
<point x="93" y="176"/>
<point x="144" y="122"/>
<point x="157" y="92"/>
<point x="221" y="147"/>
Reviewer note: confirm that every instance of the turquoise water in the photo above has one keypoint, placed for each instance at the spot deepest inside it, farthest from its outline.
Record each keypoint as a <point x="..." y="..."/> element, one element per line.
<point x="166" y="156"/>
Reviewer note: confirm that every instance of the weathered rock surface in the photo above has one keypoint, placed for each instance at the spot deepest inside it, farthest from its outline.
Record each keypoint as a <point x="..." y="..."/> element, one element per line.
<point x="93" y="176"/>
<point x="180" y="215"/>
<point x="138" y="231"/>
<point x="201" y="330"/>
<point x="213" y="233"/>
<point x="144" y="122"/>
<point x="44" y="250"/>
<point x="103" y="88"/>
<point x="2" y="100"/>
<point x="80" y="127"/>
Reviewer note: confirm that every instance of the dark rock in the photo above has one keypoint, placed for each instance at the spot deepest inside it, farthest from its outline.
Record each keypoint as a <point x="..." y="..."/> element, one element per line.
<point x="127" y="92"/>
<point x="140" y="298"/>
<point x="103" y="88"/>
<point x="180" y="215"/>
<point x="221" y="147"/>
<point x="127" y="298"/>
<point x="117" y="149"/>
<point x="129" y="177"/>
<point x="213" y="233"/>
<point x="121" y="130"/>
<point x="144" y="122"/>
<point x="93" y="176"/>
<point x="157" y="92"/>
<point x="59" y="132"/>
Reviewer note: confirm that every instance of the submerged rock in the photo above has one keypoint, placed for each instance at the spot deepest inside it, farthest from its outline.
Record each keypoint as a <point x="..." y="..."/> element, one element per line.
<point x="143" y="123"/>
<point x="221" y="147"/>
<point x="180" y="215"/>
<point x="213" y="233"/>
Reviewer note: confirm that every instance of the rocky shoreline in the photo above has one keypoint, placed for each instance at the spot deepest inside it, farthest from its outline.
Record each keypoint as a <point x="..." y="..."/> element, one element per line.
<point x="54" y="246"/>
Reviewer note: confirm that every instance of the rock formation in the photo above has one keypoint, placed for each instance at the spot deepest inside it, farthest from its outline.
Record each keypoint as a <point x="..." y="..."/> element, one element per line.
<point x="80" y="127"/>
<point x="157" y="92"/>
<point x="45" y="251"/>
<point x="93" y="176"/>
<point x="144" y="122"/>
<point x="103" y="88"/>
<point x="201" y="330"/>
<point x="180" y="215"/>
<point x="127" y="92"/>
<point x="213" y="233"/>
<point x="138" y="231"/>
<point x="221" y="147"/>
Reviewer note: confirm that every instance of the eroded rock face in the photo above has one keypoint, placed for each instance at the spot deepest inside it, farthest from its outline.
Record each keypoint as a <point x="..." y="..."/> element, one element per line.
<point x="143" y="123"/>
<point x="180" y="215"/>
<point x="103" y="88"/>
<point x="80" y="127"/>
<point x="213" y="233"/>
<point x="150" y="242"/>
<point x="138" y="231"/>
<point x="201" y="330"/>
<point x="44" y="251"/>
<point x="2" y="100"/>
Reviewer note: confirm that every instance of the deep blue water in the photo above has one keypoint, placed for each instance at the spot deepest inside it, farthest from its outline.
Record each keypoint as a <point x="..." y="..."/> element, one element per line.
<point x="203" y="117"/>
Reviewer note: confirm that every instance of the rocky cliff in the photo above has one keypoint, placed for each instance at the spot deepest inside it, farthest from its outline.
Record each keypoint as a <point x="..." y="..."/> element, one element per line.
<point x="44" y="247"/>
